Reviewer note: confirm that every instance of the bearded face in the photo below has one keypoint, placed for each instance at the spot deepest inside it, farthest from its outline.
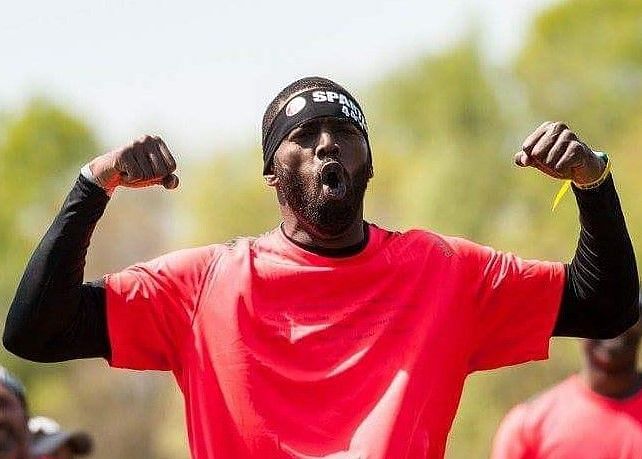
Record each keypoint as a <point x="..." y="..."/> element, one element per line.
<point x="327" y="200"/>
<point x="321" y="171"/>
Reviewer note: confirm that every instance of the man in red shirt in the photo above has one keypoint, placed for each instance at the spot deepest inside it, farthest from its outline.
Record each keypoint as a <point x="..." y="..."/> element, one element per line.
<point x="326" y="337"/>
<point x="594" y="414"/>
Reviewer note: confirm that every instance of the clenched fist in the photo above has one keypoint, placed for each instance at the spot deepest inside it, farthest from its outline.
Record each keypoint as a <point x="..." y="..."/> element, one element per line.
<point x="146" y="161"/>
<point x="555" y="150"/>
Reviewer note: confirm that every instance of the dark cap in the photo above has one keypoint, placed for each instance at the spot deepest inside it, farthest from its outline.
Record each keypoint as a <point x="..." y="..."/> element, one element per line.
<point x="47" y="437"/>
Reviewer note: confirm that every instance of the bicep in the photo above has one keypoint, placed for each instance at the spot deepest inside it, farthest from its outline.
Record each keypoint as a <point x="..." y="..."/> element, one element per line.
<point x="83" y="335"/>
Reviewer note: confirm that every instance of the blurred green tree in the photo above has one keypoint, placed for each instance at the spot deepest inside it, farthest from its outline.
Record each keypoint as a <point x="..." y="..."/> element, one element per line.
<point x="443" y="131"/>
<point x="226" y="197"/>
<point x="582" y="62"/>
<point x="441" y="120"/>
<point x="42" y="148"/>
<point x="40" y="152"/>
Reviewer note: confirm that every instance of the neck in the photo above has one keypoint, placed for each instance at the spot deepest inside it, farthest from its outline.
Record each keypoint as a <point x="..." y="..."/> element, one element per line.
<point x="303" y="235"/>
<point x="620" y="385"/>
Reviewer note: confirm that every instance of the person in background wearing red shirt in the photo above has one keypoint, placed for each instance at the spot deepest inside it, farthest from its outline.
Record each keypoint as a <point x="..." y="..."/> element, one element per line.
<point x="328" y="336"/>
<point x="594" y="414"/>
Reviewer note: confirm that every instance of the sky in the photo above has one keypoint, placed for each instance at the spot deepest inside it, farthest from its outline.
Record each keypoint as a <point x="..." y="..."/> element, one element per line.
<point x="200" y="73"/>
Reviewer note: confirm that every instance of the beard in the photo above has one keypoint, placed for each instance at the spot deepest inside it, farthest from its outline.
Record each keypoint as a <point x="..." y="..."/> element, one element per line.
<point x="313" y="208"/>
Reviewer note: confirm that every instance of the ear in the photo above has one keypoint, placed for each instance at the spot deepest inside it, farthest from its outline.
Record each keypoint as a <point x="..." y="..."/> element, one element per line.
<point x="271" y="179"/>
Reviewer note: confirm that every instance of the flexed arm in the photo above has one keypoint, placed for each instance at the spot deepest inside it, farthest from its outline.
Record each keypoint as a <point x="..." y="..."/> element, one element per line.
<point x="601" y="291"/>
<point x="54" y="316"/>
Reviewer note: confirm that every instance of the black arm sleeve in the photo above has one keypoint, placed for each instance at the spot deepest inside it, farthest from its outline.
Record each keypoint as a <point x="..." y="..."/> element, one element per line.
<point x="600" y="298"/>
<point x="54" y="316"/>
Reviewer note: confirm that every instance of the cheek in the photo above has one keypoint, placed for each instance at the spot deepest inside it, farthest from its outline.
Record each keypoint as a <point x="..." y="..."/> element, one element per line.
<point x="359" y="153"/>
<point x="292" y="156"/>
<point x="357" y="145"/>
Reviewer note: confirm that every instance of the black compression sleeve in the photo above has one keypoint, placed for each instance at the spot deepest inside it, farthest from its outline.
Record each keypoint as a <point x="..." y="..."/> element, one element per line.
<point x="600" y="298"/>
<point x="54" y="316"/>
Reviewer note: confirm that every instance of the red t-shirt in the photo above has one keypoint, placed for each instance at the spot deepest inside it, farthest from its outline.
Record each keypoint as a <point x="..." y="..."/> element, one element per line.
<point x="281" y="353"/>
<point x="572" y="421"/>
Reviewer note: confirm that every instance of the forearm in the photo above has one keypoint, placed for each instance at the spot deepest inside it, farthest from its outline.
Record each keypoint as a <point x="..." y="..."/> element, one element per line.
<point x="54" y="316"/>
<point x="600" y="298"/>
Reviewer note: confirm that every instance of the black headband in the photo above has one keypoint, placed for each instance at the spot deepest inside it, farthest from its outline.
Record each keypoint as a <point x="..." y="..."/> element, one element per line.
<point x="308" y="105"/>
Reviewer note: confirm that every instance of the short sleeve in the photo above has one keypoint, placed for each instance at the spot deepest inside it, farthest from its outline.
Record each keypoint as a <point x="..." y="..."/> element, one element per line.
<point x="512" y="440"/>
<point x="514" y="304"/>
<point x="150" y="307"/>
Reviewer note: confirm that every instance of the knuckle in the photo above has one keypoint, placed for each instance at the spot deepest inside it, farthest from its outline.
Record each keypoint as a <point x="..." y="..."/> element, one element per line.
<point x="538" y="151"/>
<point x="574" y="146"/>
<point x="171" y="167"/>
<point x="571" y="137"/>
<point x="149" y="140"/>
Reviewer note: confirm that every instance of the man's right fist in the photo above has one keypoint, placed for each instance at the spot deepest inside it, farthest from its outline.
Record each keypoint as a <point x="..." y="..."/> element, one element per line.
<point x="147" y="161"/>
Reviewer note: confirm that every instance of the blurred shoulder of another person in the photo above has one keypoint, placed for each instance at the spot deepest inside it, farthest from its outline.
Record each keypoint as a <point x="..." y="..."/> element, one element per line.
<point x="594" y="414"/>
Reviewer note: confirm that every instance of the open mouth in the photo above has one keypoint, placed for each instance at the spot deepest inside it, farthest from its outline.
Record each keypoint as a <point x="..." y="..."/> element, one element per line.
<point x="333" y="179"/>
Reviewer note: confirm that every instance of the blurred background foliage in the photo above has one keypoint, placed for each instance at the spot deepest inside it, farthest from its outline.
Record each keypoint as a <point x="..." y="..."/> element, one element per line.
<point x="444" y="129"/>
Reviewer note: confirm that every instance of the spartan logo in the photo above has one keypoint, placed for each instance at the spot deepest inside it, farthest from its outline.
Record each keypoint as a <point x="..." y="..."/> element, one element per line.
<point x="295" y="106"/>
<point x="348" y="106"/>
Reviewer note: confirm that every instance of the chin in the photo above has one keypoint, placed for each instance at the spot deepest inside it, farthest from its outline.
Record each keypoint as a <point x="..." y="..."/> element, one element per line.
<point x="331" y="219"/>
<point x="609" y="365"/>
<point x="321" y="212"/>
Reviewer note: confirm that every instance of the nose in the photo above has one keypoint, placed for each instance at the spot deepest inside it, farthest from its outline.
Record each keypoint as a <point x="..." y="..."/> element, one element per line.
<point x="327" y="145"/>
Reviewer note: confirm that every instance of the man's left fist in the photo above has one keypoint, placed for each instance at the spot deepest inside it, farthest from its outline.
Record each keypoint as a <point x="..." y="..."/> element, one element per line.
<point x="555" y="150"/>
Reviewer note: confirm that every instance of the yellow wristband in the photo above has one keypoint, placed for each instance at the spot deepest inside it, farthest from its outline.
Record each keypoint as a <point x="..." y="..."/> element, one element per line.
<point x="587" y="186"/>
